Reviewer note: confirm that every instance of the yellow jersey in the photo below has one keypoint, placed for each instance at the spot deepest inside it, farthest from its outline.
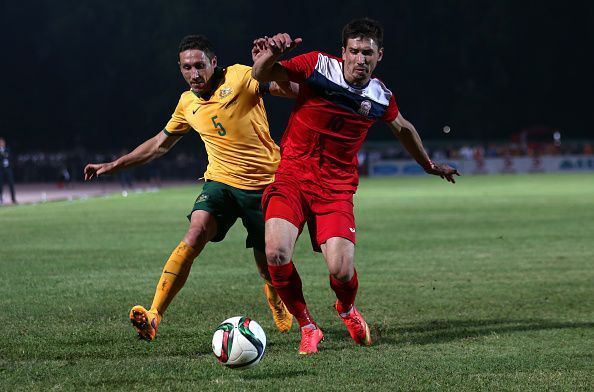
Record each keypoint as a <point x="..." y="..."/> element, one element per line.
<point x="233" y="125"/>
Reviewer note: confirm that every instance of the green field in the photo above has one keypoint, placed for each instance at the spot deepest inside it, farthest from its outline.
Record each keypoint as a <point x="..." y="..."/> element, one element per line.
<point x="483" y="285"/>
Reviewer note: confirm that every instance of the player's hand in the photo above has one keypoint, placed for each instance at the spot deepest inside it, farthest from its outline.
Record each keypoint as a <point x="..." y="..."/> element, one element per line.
<point x="94" y="170"/>
<point x="282" y="43"/>
<point x="443" y="170"/>
<point x="260" y="46"/>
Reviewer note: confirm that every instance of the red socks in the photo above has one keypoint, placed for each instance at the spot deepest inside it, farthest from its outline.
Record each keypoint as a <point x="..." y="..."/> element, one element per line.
<point x="287" y="283"/>
<point x="345" y="292"/>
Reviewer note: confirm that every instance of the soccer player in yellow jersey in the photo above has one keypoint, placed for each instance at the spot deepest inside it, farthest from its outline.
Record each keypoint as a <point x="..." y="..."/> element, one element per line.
<point x="225" y="107"/>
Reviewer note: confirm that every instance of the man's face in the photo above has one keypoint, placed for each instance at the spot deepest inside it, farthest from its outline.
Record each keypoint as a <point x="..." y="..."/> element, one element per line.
<point x="197" y="69"/>
<point x="360" y="57"/>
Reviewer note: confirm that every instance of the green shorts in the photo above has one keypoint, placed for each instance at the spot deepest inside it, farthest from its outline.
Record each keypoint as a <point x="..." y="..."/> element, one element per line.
<point x="228" y="203"/>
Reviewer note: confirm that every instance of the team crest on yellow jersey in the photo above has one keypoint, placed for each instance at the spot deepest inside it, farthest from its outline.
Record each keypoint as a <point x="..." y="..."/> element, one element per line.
<point x="225" y="91"/>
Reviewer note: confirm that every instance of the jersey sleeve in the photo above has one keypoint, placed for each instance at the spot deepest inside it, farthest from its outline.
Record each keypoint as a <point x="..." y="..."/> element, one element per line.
<point x="300" y="67"/>
<point x="178" y="125"/>
<point x="245" y="75"/>
<point x="392" y="111"/>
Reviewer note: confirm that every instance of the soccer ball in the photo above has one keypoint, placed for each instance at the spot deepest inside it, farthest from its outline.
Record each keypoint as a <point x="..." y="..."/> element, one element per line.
<point x="239" y="343"/>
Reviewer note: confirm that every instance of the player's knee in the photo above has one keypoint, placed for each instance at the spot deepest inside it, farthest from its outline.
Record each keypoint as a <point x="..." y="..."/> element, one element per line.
<point x="341" y="269"/>
<point x="197" y="236"/>
<point x="277" y="255"/>
<point x="342" y="276"/>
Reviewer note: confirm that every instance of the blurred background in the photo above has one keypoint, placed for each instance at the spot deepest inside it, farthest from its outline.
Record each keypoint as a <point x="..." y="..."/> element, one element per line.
<point x="87" y="81"/>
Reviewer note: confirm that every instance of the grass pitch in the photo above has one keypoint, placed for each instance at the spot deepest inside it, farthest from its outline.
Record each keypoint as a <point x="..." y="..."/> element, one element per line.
<point x="484" y="285"/>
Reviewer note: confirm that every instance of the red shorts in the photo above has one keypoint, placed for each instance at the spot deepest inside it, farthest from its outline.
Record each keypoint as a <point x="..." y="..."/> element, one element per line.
<point x="328" y="214"/>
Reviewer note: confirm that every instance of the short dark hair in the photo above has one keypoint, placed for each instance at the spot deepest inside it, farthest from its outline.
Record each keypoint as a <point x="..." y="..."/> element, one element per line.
<point x="363" y="28"/>
<point x="199" y="42"/>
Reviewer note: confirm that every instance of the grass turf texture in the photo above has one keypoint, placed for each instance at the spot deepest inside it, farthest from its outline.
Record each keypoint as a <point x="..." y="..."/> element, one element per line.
<point x="484" y="285"/>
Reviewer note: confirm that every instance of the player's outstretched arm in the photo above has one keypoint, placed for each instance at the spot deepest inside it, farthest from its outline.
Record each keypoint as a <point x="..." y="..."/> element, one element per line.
<point x="151" y="149"/>
<point x="266" y="51"/>
<point x="410" y="139"/>
<point x="284" y="89"/>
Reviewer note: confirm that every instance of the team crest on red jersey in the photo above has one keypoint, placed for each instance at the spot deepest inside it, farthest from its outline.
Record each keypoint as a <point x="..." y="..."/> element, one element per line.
<point x="365" y="108"/>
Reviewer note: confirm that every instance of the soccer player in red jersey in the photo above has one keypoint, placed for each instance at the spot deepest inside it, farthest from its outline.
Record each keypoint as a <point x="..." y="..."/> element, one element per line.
<point x="338" y="101"/>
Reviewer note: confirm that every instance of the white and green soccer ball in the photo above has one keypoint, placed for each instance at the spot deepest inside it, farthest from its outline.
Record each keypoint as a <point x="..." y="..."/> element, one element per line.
<point x="239" y="342"/>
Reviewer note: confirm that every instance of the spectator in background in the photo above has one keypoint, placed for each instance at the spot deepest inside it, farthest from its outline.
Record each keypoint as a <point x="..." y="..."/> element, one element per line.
<point x="491" y="151"/>
<point x="64" y="178"/>
<point x="508" y="161"/>
<point x="478" y="154"/>
<point x="466" y="153"/>
<point x="6" y="171"/>
<point x="439" y="155"/>
<point x="362" y="160"/>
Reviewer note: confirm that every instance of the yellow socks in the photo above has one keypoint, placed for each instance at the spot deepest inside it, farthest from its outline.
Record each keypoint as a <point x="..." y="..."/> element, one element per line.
<point x="174" y="276"/>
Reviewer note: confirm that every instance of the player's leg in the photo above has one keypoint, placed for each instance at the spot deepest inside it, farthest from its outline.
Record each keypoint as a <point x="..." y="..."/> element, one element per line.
<point x="339" y="255"/>
<point x="252" y="218"/>
<point x="335" y="230"/>
<point x="280" y="242"/>
<point x="285" y="214"/>
<point x="281" y="235"/>
<point x="283" y="319"/>
<point x="208" y="222"/>
<point x="203" y="227"/>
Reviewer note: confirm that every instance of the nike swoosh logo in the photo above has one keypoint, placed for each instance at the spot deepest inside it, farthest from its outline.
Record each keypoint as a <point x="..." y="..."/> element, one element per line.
<point x="352" y="229"/>
<point x="195" y="110"/>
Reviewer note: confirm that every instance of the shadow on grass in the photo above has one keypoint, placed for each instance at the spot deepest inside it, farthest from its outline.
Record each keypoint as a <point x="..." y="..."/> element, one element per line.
<point x="185" y="381"/>
<point x="443" y="331"/>
<point x="335" y="337"/>
<point x="274" y="374"/>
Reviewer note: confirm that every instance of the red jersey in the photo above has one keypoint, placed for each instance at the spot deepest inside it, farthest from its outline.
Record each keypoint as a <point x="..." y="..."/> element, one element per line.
<point x="330" y="121"/>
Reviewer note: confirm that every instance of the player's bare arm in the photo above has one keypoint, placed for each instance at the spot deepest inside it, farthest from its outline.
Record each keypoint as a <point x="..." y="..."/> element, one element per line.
<point x="151" y="149"/>
<point x="284" y="89"/>
<point x="410" y="139"/>
<point x="266" y="51"/>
